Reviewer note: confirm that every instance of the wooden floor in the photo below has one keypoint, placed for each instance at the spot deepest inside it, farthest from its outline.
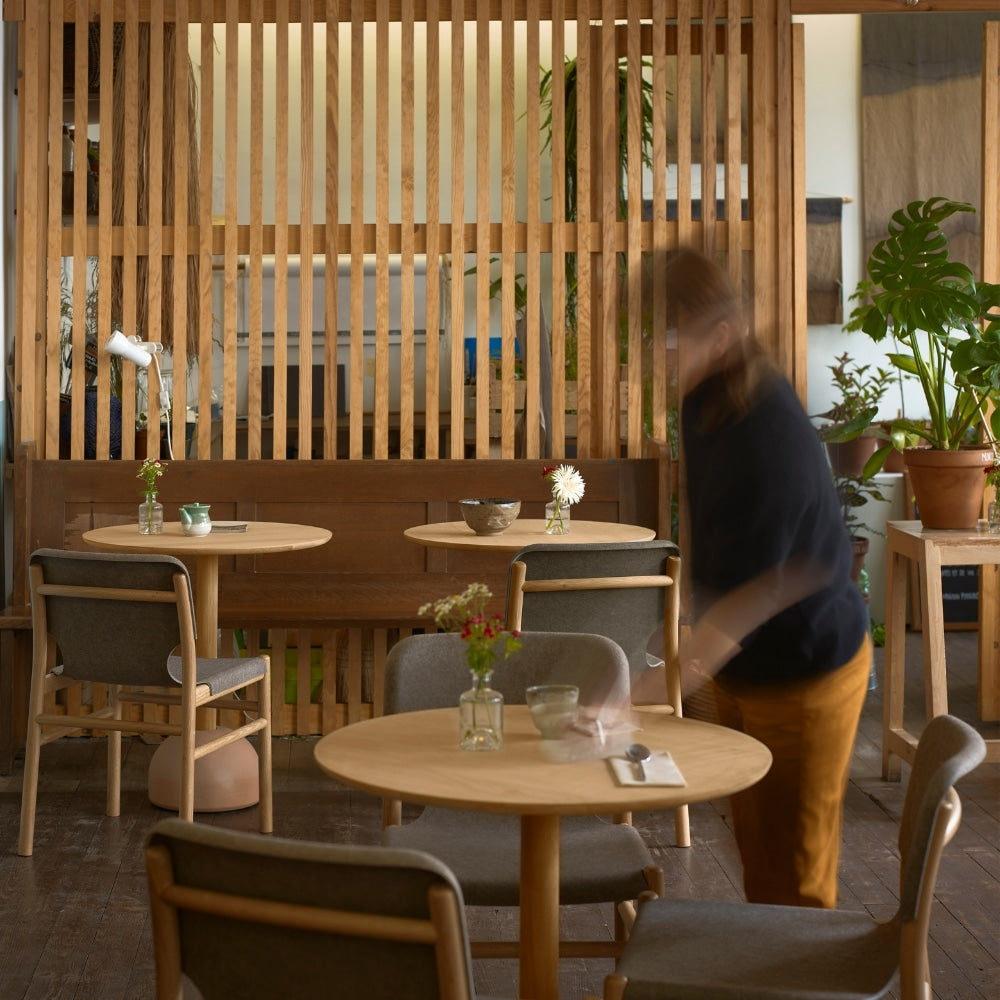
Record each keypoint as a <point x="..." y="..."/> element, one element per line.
<point x="74" y="923"/>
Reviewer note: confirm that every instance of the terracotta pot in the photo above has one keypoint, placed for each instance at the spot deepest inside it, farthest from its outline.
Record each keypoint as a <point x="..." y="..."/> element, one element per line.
<point x="948" y="486"/>
<point x="847" y="458"/>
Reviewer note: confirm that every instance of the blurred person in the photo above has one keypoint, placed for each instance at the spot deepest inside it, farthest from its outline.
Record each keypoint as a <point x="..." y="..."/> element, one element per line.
<point x="778" y="622"/>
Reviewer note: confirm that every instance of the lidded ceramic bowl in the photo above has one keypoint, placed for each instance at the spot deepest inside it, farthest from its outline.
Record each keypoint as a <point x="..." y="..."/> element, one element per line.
<point x="489" y="515"/>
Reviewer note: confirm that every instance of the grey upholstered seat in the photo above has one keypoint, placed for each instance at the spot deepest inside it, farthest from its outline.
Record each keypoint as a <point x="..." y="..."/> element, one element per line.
<point x="681" y="949"/>
<point x="601" y="861"/>
<point x="628" y="591"/>
<point x="261" y="917"/>
<point x="122" y="619"/>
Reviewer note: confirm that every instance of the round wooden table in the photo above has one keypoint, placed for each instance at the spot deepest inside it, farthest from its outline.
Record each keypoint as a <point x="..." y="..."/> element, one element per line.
<point x="227" y="779"/>
<point x="415" y="756"/>
<point x="524" y="531"/>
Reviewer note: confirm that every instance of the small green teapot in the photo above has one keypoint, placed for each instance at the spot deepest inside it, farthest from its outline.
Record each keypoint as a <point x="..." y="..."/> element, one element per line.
<point x="195" y="519"/>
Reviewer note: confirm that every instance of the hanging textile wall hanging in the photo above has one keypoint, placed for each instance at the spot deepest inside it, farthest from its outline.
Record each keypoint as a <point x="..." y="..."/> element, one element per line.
<point x="921" y="118"/>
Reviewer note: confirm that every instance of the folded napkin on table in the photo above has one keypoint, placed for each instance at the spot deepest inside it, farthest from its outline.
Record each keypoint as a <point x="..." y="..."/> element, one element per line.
<point x="660" y="770"/>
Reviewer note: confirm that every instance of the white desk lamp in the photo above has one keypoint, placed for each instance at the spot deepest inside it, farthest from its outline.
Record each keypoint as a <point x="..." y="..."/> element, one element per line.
<point x="142" y="353"/>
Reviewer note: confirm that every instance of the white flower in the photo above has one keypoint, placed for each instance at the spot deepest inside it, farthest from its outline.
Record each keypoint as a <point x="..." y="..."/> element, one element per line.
<point x="567" y="484"/>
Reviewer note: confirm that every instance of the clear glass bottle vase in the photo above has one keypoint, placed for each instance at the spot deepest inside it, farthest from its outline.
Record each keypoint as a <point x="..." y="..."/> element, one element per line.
<point x="151" y="516"/>
<point x="994" y="517"/>
<point x="480" y="712"/>
<point x="556" y="518"/>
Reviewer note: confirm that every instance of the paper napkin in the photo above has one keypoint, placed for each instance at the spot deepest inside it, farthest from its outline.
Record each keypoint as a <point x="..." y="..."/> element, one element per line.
<point x="660" y="770"/>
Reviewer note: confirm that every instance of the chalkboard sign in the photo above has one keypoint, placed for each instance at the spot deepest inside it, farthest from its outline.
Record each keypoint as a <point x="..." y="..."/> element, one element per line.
<point x="960" y="594"/>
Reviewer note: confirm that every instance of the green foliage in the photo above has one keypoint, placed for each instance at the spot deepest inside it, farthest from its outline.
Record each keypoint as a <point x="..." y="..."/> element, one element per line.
<point x="860" y="395"/>
<point x="942" y="318"/>
<point x="854" y="492"/>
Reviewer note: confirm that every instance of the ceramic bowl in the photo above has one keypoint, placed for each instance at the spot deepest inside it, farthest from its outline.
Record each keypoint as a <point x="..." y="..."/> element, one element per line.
<point x="489" y="515"/>
<point x="554" y="708"/>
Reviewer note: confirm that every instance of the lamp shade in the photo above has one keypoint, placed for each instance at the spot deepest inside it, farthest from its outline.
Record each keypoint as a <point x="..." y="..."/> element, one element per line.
<point x="128" y="347"/>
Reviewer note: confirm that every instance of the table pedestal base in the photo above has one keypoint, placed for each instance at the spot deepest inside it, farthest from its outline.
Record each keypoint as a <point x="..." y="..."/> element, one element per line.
<point x="223" y="781"/>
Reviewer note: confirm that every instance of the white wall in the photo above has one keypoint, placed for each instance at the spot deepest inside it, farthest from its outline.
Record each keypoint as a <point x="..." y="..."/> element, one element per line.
<point x="833" y="169"/>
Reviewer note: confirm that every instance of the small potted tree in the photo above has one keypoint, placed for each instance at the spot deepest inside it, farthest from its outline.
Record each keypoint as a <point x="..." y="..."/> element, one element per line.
<point x="948" y="328"/>
<point x="860" y="388"/>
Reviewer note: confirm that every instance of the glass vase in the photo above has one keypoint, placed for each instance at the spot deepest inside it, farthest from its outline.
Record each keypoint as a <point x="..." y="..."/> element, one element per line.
<point x="151" y="516"/>
<point x="994" y="517"/>
<point x="556" y="518"/>
<point x="480" y="713"/>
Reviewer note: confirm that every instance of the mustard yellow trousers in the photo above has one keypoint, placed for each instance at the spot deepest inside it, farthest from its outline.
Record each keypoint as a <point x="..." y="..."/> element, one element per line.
<point x="788" y="825"/>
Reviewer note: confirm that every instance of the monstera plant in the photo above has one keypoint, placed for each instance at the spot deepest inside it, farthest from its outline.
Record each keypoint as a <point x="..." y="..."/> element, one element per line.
<point x="947" y="324"/>
<point x="947" y="328"/>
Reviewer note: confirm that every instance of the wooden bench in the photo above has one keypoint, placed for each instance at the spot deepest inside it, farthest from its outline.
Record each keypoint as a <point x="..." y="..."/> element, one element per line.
<point x="329" y="614"/>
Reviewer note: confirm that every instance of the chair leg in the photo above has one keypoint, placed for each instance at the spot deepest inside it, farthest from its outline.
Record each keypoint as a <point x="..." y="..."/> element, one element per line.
<point x="114" y="737"/>
<point x="265" y="779"/>
<point x="29" y="787"/>
<point x="186" y="803"/>
<point x="32" y="752"/>
<point x="682" y="826"/>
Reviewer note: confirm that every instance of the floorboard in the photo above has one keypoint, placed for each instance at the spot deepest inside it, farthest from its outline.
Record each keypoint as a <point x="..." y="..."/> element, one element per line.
<point x="74" y="922"/>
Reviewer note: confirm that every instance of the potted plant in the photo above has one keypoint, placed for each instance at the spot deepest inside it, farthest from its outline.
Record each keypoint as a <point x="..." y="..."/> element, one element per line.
<point x="853" y="492"/>
<point x="861" y="389"/>
<point x="943" y="321"/>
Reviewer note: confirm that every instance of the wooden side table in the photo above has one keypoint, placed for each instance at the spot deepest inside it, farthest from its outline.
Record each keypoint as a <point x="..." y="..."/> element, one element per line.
<point x="930" y="550"/>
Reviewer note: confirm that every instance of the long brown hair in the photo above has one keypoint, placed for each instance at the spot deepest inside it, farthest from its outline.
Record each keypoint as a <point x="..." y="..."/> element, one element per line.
<point x="699" y="294"/>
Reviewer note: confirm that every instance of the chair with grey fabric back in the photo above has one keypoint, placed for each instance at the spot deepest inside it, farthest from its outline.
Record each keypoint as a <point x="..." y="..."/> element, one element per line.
<point x="601" y="861"/>
<point x="681" y="949"/>
<point x="127" y="621"/>
<point x="627" y="591"/>
<point x="254" y="917"/>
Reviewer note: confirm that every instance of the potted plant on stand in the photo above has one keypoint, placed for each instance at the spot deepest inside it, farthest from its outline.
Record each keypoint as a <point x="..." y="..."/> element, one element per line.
<point x="943" y="321"/>
<point x="861" y="389"/>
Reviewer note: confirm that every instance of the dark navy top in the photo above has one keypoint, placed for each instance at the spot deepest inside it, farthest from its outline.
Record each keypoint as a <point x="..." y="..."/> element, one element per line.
<point x="760" y="491"/>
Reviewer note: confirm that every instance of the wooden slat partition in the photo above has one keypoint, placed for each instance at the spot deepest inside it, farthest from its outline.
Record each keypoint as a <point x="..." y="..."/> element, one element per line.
<point x="430" y="144"/>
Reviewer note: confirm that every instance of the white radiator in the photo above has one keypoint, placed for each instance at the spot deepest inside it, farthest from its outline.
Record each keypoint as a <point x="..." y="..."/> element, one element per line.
<point x="345" y="279"/>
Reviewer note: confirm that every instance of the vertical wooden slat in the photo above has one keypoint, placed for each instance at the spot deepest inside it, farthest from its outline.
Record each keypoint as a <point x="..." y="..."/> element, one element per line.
<point x="104" y="223"/>
<point x="764" y="173"/>
<point x="281" y="196"/>
<point x="989" y="576"/>
<point x="205" y="227"/>
<point x="181" y="215"/>
<point x="798" y="343"/>
<point x="154" y="209"/>
<point x="482" y="196"/>
<point x="356" y="392"/>
<point x="230" y="290"/>
<point x="432" y="196"/>
<point x="331" y="247"/>
<point x="734" y="144"/>
<point x="783" y="275"/>
<point x="380" y="429"/>
<point x="255" y="318"/>
<point x="79" y="238"/>
<point x="583" y="241"/>
<point x="407" y="322"/>
<point x="661" y="402"/>
<point x="53" y="328"/>
<point x="709" y="150"/>
<point x="604" y="357"/>
<point x="507" y="229"/>
<point x="634" y="238"/>
<point x="129" y="181"/>
<point x="306" y="319"/>
<point x="685" y="227"/>
<point x="457" y="182"/>
<point x="559" y="240"/>
<point x="533" y="270"/>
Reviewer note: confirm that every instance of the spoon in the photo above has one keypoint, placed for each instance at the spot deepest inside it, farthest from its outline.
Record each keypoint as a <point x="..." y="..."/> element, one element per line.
<point x="638" y="753"/>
